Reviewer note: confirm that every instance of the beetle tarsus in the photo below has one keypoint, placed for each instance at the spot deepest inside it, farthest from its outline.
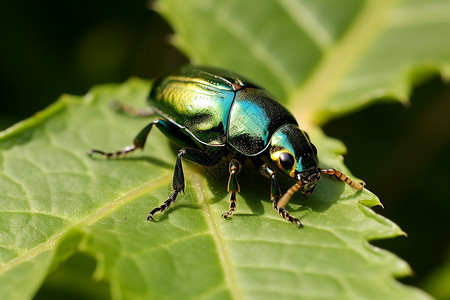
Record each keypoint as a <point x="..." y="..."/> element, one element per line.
<point x="130" y="110"/>
<point x="285" y="214"/>
<point x="228" y="214"/>
<point x="113" y="155"/>
<point x="234" y="168"/>
<point x="275" y="194"/>
<point x="171" y="199"/>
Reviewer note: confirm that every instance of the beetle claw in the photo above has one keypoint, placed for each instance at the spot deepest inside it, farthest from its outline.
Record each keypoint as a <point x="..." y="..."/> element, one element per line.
<point x="297" y="221"/>
<point x="226" y="216"/>
<point x="150" y="215"/>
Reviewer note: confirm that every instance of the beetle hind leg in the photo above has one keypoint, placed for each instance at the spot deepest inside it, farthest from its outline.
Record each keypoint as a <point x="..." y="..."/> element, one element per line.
<point x="138" y="142"/>
<point x="116" y="154"/>
<point x="130" y="110"/>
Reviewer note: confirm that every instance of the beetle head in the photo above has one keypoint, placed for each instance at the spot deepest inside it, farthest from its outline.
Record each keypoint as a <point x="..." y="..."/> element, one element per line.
<point x="292" y="152"/>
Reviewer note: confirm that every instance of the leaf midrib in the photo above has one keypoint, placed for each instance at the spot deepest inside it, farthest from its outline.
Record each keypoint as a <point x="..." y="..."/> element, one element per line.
<point x="217" y="236"/>
<point x="338" y="60"/>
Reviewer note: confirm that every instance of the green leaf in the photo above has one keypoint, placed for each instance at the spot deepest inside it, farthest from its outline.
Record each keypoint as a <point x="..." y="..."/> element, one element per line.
<point x="437" y="281"/>
<point x="57" y="201"/>
<point x="323" y="57"/>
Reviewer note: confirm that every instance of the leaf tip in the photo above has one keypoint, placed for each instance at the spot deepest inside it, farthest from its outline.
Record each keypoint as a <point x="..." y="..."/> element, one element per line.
<point x="372" y="202"/>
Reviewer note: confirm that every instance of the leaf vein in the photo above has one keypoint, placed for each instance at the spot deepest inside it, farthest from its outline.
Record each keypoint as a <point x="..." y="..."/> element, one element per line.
<point x="339" y="59"/>
<point x="90" y="220"/>
<point x="260" y="51"/>
<point x="307" y="22"/>
<point x="221" y="245"/>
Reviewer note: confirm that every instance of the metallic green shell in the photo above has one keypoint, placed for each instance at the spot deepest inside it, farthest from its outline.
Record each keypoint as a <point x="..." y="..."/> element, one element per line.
<point x="217" y="107"/>
<point x="198" y="100"/>
<point x="254" y="117"/>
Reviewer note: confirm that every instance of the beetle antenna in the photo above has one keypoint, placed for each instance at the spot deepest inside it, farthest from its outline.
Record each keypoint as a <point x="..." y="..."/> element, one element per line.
<point x="289" y="193"/>
<point x="341" y="176"/>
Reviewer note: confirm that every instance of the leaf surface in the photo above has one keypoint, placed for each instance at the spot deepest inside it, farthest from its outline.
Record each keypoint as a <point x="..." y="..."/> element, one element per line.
<point x="57" y="201"/>
<point x="323" y="58"/>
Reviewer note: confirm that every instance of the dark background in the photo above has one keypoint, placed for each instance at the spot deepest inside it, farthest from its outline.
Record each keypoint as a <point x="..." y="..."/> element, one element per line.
<point x="52" y="47"/>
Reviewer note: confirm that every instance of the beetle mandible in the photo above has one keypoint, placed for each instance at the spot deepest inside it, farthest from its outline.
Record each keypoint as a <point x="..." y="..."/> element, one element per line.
<point x="212" y="113"/>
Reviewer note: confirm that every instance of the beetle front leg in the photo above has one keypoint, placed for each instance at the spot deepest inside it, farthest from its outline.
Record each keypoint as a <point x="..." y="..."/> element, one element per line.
<point x="275" y="193"/>
<point x="195" y="155"/>
<point x="234" y="167"/>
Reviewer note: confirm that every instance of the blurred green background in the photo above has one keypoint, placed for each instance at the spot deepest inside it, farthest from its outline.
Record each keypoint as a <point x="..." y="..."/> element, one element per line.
<point x="53" y="47"/>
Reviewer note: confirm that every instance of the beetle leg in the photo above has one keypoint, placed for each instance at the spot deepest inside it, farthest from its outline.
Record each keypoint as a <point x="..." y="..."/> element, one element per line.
<point x="234" y="167"/>
<point x="341" y="176"/>
<point x="132" y="111"/>
<point x="195" y="155"/>
<point x="283" y="212"/>
<point x="138" y="142"/>
<point x="114" y="155"/>
<point x="140" y="139"/>
<point x="275" y="193"/>
<point x="177" y="185"/>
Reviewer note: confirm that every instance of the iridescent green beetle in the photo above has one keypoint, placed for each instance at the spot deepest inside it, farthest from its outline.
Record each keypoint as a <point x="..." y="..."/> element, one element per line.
<point x="212" y="113"/>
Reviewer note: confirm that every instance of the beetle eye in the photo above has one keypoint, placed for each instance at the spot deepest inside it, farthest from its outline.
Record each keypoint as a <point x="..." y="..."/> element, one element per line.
<point x="286" y="160"/>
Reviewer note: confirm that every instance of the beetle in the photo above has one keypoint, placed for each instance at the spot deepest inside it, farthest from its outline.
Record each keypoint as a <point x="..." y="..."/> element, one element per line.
<point x="213" y="113"/>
